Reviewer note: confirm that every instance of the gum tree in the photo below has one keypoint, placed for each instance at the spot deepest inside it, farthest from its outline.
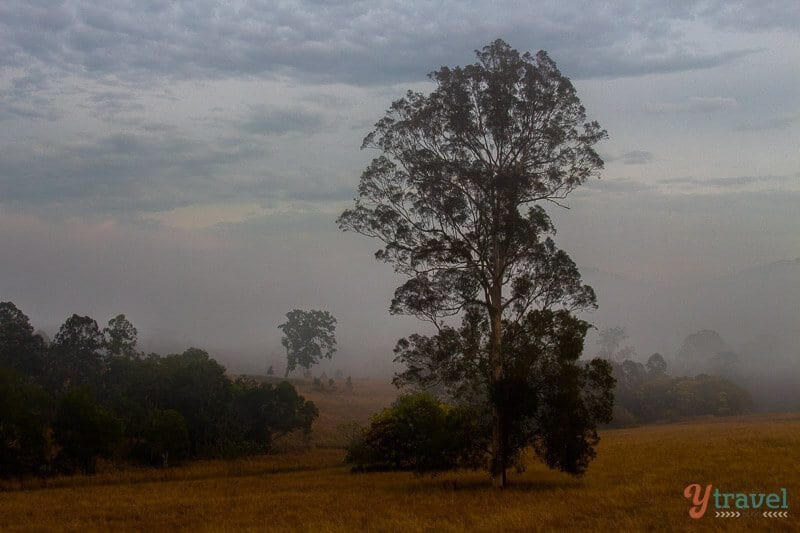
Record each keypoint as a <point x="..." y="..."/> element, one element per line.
<point x="308" y="336"/>
<point x="456" y="196"/>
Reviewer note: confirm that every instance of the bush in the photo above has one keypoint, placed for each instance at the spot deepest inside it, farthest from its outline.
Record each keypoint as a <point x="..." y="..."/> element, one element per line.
<point x="418" y="433"/>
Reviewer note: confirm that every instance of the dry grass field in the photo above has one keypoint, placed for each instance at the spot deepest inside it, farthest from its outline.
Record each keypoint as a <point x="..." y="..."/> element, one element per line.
<point x="636" y="483"/>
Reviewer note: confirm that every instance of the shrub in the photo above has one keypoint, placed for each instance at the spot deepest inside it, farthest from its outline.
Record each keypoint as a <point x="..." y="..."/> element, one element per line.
<point x="418" y="433"/>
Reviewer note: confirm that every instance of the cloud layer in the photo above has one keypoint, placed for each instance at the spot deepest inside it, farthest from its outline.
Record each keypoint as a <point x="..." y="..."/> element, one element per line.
<point x="183" y="162"/>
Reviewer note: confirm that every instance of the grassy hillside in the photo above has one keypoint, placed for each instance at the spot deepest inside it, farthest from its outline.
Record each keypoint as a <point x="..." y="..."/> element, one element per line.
<point x="340" y="407"/>
<point x="636" y="483"/>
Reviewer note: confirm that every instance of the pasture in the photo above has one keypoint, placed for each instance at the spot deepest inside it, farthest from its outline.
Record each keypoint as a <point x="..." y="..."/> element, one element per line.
<point x="636" y="483"/>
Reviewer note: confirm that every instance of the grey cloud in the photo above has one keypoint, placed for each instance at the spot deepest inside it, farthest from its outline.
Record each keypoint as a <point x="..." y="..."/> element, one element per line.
<point x="613" y="64"/>
<point x="262" y="120"/>
<point x="365" y="42"/>
<point x="109" y="104"/>
<point x="695" y="104"/>
<point x="732" y="182"/>
<point x="769" y="123"/>
<point x="636" y="157"/>
<point x="27" y="96"/>
<point x="616" y="186"/>
<point x="743" y="15"/>
<point x="749" y="180"/>
<point x="121" y="172"/>
<point x="8" y="111"/>
<point x="154" y="171"/>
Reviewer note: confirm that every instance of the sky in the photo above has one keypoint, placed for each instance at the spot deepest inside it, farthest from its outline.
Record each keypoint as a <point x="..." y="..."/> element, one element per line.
<point x="184" y="162"/>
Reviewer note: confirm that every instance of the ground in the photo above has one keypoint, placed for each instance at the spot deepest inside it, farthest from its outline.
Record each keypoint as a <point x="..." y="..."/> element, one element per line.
<point x="636" y="483"/>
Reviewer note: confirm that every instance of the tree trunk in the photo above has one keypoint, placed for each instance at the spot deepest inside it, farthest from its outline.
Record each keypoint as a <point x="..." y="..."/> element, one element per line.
<point x="498" y="460"/>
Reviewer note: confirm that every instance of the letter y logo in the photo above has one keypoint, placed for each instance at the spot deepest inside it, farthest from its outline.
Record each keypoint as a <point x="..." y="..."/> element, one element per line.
<point x="699" y="502"/>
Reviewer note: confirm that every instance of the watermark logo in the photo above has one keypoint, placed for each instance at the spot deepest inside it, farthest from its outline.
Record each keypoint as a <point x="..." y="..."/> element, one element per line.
<point x="736" y="504"/>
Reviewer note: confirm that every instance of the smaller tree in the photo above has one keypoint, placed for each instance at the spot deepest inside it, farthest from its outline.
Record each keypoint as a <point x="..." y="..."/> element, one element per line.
<point x="419" y="433"/>
<point x="165" y="437"/>
<point x="76" y="357"/>
<point x="610" y="341"/>
<point x="120" y="337"/>
<point x="308" y="337"/>
<point x="20" y="348"/>
<point x="25" y="414"/>
<point x="84" y="430"/>
<point x="656" y="365"/>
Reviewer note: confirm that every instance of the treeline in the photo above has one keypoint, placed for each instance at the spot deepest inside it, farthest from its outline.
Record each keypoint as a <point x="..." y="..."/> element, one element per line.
<point x="91" y="393"/>
<point x="646" y="393"/>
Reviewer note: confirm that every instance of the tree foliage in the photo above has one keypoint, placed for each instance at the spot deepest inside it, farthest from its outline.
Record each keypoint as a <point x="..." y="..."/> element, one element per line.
<point x="93" y="396"/>
<point x="610" y="341"/>
<point x="84" y="430"/>
<point x="20" y="348"/>
<point x="120" y="337"/>
<point x="25" y="414"/>
<point x="647" y="393"/>
<point x="456" y="198"/>
<point x="164" y="438"/>
<point x="418" y="433"/>
<point x="308" y="337"/>
<point x="76" y="357"/>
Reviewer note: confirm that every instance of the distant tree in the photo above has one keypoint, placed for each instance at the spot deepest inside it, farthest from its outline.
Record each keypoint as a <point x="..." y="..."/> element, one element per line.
<point x="289" y="411"/>
<point x="120" y="337"/>
<point x="196" y="386"/>
<point x="610" y="341"/>
<point x="25" y="416"/>
<point x="253" y="403"/>
<point x="20" y="348"/>
<point x="308" y="337"/>
<point x="643" y="397"/>
<point x="724" y="363"/>
<point x="45" y="337"/>
<point x="656" y="365"/>
<point x="165" y="437"/>
<point x="270" y="371"/>
<point x="84" y="430"/>
<point x="132" y="389"/>
<point x="75" y="355"/>
<point x="456" y="197"/>
<point x="349" y="383"/>
<point x="634" y="372"/>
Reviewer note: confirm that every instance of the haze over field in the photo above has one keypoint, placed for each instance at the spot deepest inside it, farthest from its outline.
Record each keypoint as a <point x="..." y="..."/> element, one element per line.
<point x="184" y="165"/>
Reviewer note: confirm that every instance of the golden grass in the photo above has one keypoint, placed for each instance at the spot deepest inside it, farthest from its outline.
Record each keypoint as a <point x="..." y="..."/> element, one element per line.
<point x="636" y="483"/>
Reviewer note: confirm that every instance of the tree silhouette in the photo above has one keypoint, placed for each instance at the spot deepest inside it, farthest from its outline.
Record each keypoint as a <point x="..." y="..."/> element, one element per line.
<point x="456" y="197"/>
<point x="308" y="336"/>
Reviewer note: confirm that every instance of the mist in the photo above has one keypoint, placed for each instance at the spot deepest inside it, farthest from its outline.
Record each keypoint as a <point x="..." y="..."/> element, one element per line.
<point x="195" y="189"/>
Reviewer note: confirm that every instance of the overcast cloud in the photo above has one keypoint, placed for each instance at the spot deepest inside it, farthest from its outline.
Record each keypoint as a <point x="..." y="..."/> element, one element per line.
<point x="183" y="162"/>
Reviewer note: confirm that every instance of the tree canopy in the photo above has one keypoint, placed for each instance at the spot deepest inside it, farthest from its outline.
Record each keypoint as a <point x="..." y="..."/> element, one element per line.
<point x="91" y="394"/>
<point x="308" y="337"/>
